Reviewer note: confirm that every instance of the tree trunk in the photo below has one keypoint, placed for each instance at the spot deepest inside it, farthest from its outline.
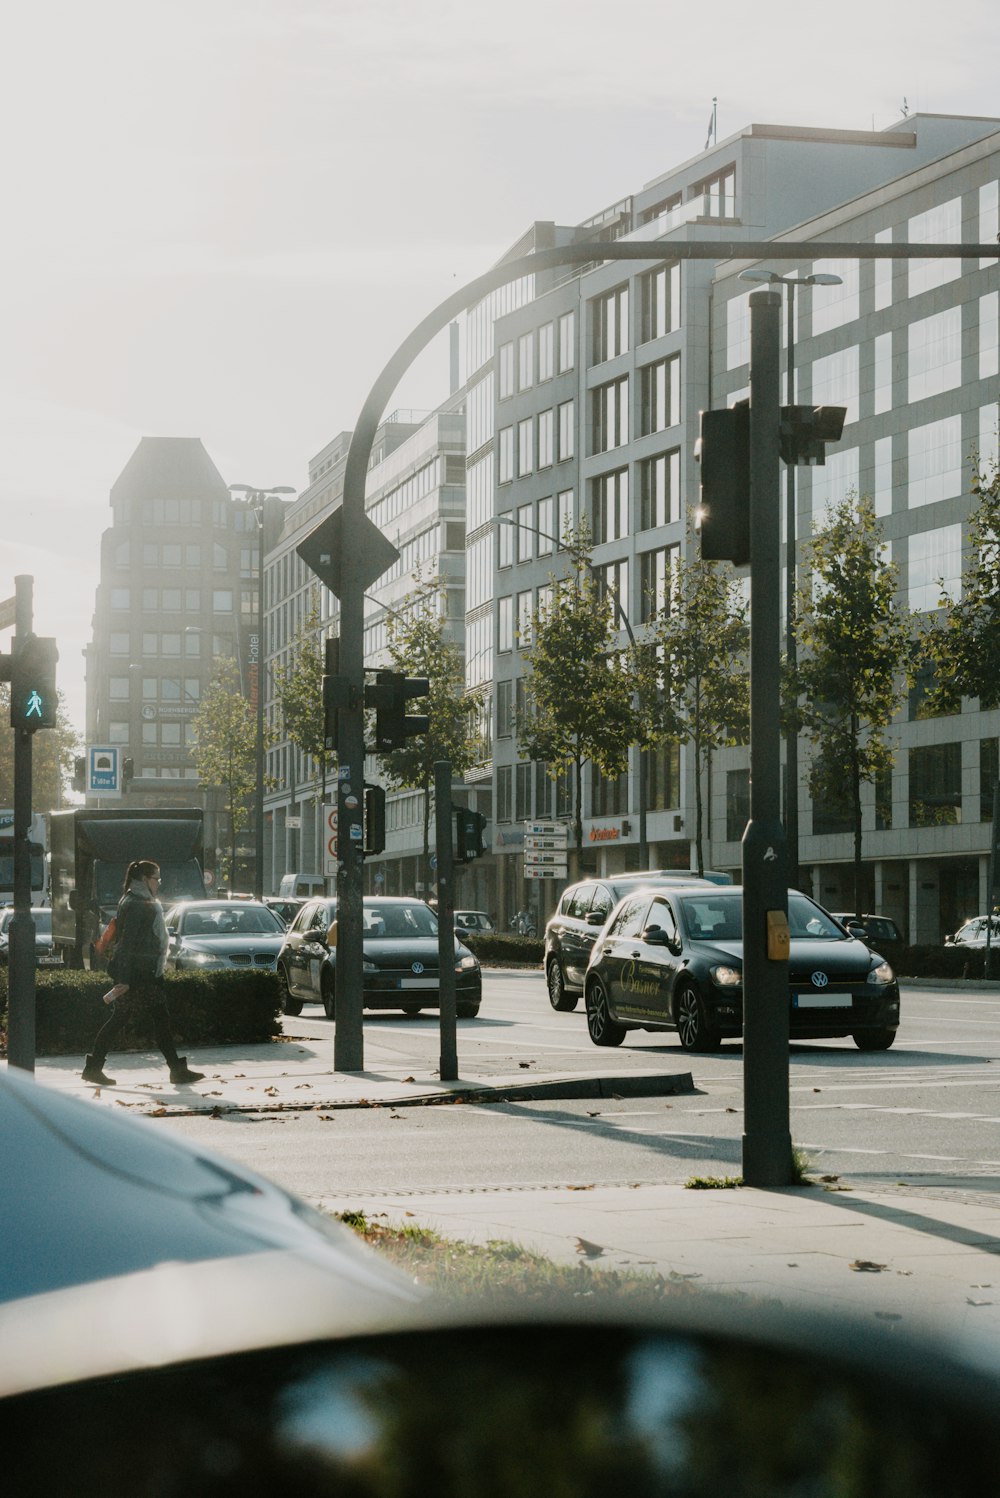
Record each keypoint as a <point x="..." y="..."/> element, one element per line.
<point x="429" y="881"/>
<point x="699" y="856"/>
<point x="578" y="812"/>
<point x="856" y="813"/>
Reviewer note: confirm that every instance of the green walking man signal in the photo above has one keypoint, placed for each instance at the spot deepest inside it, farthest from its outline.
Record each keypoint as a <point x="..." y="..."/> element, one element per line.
<point x="33" y="700"/>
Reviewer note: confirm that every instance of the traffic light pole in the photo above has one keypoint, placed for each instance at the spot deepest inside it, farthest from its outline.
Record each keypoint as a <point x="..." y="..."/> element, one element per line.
<point x="21" y="972"/>
<point x="446" y="920"/>
<point x="767" y="1143"/>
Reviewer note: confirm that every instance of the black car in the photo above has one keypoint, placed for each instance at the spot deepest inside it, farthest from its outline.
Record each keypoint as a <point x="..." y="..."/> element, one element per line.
<point x="673" y="960"/>
<point x="45" y="952"/>
<point x="582" y="910"/>
<point x="880" y="932"/>
<point x="400" y="959"/>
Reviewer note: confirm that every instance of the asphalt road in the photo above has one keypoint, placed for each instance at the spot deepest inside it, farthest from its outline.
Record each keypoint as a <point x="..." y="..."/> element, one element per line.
<point x="926" y="1113"/>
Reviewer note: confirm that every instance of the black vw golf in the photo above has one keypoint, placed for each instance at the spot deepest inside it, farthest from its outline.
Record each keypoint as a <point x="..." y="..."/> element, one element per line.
<point x="673" y="960"/>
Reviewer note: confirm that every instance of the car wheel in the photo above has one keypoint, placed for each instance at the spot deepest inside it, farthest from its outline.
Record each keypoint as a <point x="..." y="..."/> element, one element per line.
<point x="288" y="1004"/>
<point x="603" y="1029"/>
<point x="467" y="1010"/>
<point x="411" y="1010"/>
<point x="556" y="983"/>
<point x="696" y="1034"/>
<point x="874" y="1040"/>
<point x="329" y="995"/>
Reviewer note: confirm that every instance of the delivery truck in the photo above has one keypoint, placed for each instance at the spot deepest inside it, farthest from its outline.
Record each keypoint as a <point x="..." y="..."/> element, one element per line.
<point x="89" y="853"/>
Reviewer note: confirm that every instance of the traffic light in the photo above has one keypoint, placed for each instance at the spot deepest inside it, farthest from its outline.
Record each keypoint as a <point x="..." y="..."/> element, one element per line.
<point x="388" y="695"/>
<point x="128" y="771"/>
<point x="469" y="828"/>
<point x="33" y="702"/>
<point x="804" y="432"/>
<point x="723" y="450"/>
<point x="336" y="690"/>
<point x="374" y="819"/>
<point x="80" y="773"/>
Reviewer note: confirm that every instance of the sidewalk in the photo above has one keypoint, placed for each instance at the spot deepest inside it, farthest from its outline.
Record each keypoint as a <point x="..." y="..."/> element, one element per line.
<point x="889" y="1252"/>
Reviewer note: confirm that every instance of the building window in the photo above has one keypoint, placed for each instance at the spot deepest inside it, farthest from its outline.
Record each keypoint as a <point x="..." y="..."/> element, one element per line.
<point x="661" y="394"/>
<point x="936" y="785"/>
<point x="505" y="543"/>
<point x="662" y="769"/>
<point x="505" y="371"/>
<point x="661" y="302"/>
<point x="940" y="225"/>
<point x="935" y="355"/>
<point x="505" y="624"/>
<point x="567" y="515"/>
<point x="120" y="643"/>
<point x="608" y="794"/>
<point x="546" y="535"/>
<point x="171" y="555"/>
<point x="543" y="791"/>
<point x="567" y="342"/>
<point x="525" y="446"/>
<point x="522" y="809"/>
<point x="545" y="426"/>
<point x="546" y="343"/>
<point x="121" y="598"/>
<point x="170" y="644"/>
<point x="505" y="708"/>
<point x="832" y="814"/>
<point x="718" y="192"/>
<point x="835" y="381"/>
<point x="526" y="361"/>
<point x="170" y="735"/>
<point x="564" y="793"/>
<point x="738" y="331"/>
<point x="192" y="555"/>
<point x="525" y="533"/>
<point x="505" y="455"/>
<point x="117" y="733"/>
<point x="609" y="325"/>
<point x="934" y="561"/>
<point x="610" y="415"/>
<point x="524" y="619"/>
<point x="657" y="570"/>
<point x="118" y="687"/>
<point x="988" y="759"/>
<point x="222" y="601"/>
<point x="611" y="506"/>
<point x="612" y="581"/>
<point x="832" y="306"/>
<point x="989" y="324"/>
<point x="882" y="395"/>
<point x="567" y="428"/>
<point x="660" y="490"/>
<point x="504" y="778"/>
<point x="170" y="600"/>
<point x="737" y="804"/>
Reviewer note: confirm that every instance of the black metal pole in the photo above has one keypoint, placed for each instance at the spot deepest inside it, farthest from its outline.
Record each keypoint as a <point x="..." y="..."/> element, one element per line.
<point x="258" y="886"/>
<point x="767" y="1144"/>
<point x="21" y="947"/>
<point x="791" y="651"/>
<point x="446" y="920"/>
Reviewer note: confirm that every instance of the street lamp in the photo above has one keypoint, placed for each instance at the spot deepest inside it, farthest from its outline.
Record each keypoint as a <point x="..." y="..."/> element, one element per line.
<point x="619" y="609"/>
<point x="255" y="499"/>
<point x="821" y="278"/>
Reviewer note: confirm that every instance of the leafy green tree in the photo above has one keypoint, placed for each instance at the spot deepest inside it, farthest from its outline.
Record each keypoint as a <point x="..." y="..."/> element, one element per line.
<point x="694" y="668"/>
<point x="299" y="690"/>
<point x="964" y="642"/>
<point x="417" y="646"/>
<point x="853" y="636"/>
<point x="52" y="755"/>
<point x="225" y="750"/>
<point x="579" y="685"/>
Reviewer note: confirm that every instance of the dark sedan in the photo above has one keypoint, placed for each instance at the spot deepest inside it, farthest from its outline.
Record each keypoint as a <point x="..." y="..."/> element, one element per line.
<point x="401" y="968"/>
<point x="673" y="960"/>
<point x="223" y="934"/>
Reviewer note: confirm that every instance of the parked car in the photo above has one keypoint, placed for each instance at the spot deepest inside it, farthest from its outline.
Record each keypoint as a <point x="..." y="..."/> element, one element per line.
<point x="227" y="934"/>
<point x="400" y="959"/>
<point x="45" y="952"/>
<point x="881" y="933"/>
<point x="473" y="921"/>
<point x="973" y="933"/>
<point x="672" y="959"/>
<point x="286" y="908"/>
<point x="582" y="910"/>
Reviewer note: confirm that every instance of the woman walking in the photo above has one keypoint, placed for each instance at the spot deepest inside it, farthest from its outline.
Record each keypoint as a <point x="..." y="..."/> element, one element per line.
<point x="140" y="959"/>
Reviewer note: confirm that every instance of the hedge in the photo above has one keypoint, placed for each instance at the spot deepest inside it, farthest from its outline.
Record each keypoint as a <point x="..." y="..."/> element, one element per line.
<point x="205" y="1009"/>
<point x="945" y="962"/>
<point x="504" y="947"/>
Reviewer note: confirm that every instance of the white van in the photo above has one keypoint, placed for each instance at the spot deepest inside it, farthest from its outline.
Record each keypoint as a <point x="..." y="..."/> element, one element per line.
<point x="293" y="885"/>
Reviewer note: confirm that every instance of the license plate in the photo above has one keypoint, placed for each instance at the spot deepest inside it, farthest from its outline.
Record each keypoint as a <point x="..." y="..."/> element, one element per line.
<point x="821" y="1001"/>
<point x="418" y="983"/>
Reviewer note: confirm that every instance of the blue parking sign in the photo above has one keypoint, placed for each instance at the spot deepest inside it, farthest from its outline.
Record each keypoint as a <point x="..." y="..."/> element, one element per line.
<point x="104" y="770"/>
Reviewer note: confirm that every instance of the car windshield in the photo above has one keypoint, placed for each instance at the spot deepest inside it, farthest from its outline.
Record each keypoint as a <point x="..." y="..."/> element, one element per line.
<point x="230" y="920"/>
<point x="43" y="922"/>
<point x="394" y="921"/>
<point x="717" y="917"/>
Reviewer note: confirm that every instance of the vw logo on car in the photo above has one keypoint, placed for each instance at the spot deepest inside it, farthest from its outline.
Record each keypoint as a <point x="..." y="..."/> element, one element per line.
<point x="819" y="980"/>
<point x="416" y="967"/>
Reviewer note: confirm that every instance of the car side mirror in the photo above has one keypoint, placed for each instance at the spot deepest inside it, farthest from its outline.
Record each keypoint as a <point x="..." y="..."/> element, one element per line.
<point x="595" y="917"/>
<point x="74" y="899"/>
<point x="655" y="936"/>
<point x="857" y="930"/>
<point x="317" y="934"/>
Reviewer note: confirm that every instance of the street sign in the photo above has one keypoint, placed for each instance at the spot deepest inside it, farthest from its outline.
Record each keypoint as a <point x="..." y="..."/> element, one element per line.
<point x="104" y="770"/>
<point x="557" y="830"/>
<point x="371" y="553"/>
<point x="559" y="871"/>
<point x="540" y="844"/>
<point x="293" y="823"/>
<point x="330" y="840"/>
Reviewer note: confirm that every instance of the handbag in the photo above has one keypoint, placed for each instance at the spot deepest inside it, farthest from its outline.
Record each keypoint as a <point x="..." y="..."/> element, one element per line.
<point x="108" y="937"/>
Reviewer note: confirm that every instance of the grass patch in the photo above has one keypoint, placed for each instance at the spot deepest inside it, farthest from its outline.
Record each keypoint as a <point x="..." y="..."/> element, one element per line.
<point x="713" y="1183"/>
<point x="498" y="1272"/>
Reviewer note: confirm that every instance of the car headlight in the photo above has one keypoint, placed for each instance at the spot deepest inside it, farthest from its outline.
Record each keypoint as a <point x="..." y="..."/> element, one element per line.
<point x="883" y="973"/>
<point x="200" y="959"/>
<point x="466" y="964"/>
<point x="368" y="967"/>
<point x="727" y="977"/>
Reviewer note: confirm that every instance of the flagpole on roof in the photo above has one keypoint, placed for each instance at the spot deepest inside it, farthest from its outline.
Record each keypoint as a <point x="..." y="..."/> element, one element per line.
<point x="713" y="124"/>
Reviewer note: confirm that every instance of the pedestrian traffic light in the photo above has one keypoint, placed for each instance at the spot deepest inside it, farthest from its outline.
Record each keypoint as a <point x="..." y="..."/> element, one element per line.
<point x="804" y="432"/>
<point x="723" y="450"/>
<point x="374" y="819"/>
<point x="469" y="829"/>
<point x="388" y="695"/>
<point x="33" y="701"/>
<point x="128" y="771"/>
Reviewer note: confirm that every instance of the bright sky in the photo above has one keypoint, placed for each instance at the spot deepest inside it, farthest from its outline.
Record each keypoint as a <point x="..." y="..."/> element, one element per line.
<point x="221" y="217"/>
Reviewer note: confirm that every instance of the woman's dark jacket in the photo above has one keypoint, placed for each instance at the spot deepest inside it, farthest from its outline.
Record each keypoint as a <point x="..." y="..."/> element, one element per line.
<point x="137" y="953"/>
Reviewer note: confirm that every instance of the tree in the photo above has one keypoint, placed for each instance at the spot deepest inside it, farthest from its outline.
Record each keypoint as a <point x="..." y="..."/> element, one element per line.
<point x="299" y="690"/>
<point x="964" y="644"/>
<point x="225" y="751"/>
<point x="695" y="681"/>
<point x="854" y="652"/>
<point x="52" y="755"/>
<point x="580" y="686"/>
<point x="418" y="648"/>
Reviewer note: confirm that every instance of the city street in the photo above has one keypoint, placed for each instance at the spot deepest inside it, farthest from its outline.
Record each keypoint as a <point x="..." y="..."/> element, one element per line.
<point x="925" y="1114"/>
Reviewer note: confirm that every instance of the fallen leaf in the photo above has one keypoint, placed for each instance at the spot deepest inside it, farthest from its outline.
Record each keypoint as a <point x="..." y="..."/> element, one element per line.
<point x="829" y="1178"/>
<point x="817" y="1089"/>
<point x="240" y="1075"/>
<point x="396" y="1115"/>
<point x="409" y="1214"/>
<point x="970" y="1302"/>
<point x="156" y="1113"/>
<point x="524" y="1065"/>
<point x="300" y="1085"/>
<point x="594" y="1115"/>
<point x="675" y="1274"/>
<point x="588" y="1249"/>
<point x="211" y="1094"/>
<point x="792" y="1266"/>
<point x="409" y="1079"/>
<point x="215" y="1113"/>
<point x="325" y="1117"/>
<point x="271" y="1091"/>
<point x="579" y="1188"/>
<point x="730" y="1110"/>
<point x="867" y="1266"/>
